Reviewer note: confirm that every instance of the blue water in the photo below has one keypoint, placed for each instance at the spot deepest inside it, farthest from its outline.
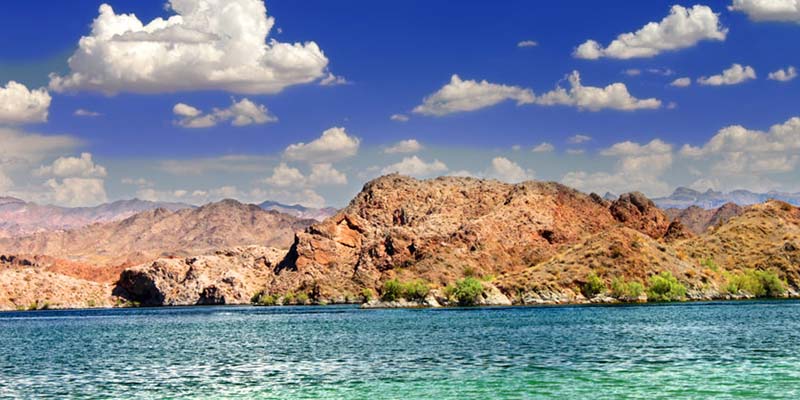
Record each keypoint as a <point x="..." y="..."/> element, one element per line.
<point x="697" y="350"/>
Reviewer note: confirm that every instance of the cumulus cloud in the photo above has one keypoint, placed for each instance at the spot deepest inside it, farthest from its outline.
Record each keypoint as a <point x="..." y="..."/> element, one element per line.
<point x="682" y="28"/>
<point x="415" y="166"/>
<point x="783" y="75"/>
<point x="285" y="176"/>
<point x="614" y="96"/>
<point x="527" y="43"/>
<point x="322" y="174"/>
<point x="469" y="95"/>
<point x="81" y="167"/>
<point x="769" y="10"/>
<point x="577" y="139"/>
<point x="77" y="192"/>
<point x="334" y="145"/>
<point x="241" y="113"/>
<point x="404" y="146"/>
<point x="82" y="112"/>
<point x="22" y="148"/>
<point x="638" y="167"/>
<point x="734" y="75"/>
<point x="326" y="174"/>
<point x="19" y="105"/>
<point x="506" y="170"/>
<point x="738" y="150"/>
<point x="399" y="117"/>
<point x="207" y="45"/>
<point x="333" y="80"/>
<point x="681" y="82"/>
<point x="543" y="147"/>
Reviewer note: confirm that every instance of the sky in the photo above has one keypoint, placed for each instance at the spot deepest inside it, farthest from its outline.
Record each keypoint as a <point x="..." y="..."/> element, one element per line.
<point x="305" y="101"/>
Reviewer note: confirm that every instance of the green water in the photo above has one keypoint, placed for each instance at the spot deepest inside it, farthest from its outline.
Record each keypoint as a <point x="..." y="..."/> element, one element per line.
<point x="710" y="350"/>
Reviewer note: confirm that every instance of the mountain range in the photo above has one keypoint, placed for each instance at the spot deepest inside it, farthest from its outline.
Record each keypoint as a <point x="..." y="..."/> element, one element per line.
<point x="684" y="197"/>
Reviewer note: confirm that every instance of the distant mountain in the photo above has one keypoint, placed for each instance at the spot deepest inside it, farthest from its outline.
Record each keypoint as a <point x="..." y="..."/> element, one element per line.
<point x="19" y="218"/>
<point x="163" y="233"/>
<point x="299" y="211"/>
<point x="684" y="197"/>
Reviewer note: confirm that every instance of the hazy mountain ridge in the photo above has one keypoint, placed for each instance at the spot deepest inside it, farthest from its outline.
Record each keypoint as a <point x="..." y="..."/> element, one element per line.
<point x="684" y="197"/>
<point x="299" y="211"/>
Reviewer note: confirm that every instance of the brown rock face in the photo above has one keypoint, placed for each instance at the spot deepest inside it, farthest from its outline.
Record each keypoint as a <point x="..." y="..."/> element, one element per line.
<point x="436" y="230"/>
<point x="230" y="276"/>
<point x="163" y="233"/>
<point x="636" y="211"/>
<point x="676" y="231"/>
<point x="698" y="220"/>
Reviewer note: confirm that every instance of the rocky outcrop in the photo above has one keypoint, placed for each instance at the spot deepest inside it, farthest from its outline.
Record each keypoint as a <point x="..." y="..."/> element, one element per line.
<point x="765" y="236"/>
<point x="677" y="231"/>
<point x="437" y="230"/>
<point x="619" y="253"/>
<point x="636" y="211"/>
<point x="229" y="276"/>
<point x="163" y="233"/>
<point x="699" y="220"/>
<point x="27" y="283"/>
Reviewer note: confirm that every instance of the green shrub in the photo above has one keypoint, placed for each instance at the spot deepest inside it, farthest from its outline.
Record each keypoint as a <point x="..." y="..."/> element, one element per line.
<point x="665" y="287"/>
<point x="288" y="298"/>
<point x="620" y="289"/>
<point x="466" y="291"/>
<point x="367" y="295"/>
<point x="302" y="298"/>
<point x="709" y="263"/>
<point x="391" y="290"/>
<point x="264" y="299"/>
<point x="415" y="290"/>
<point x="593" y="286"/>
<point x="756" y="283"/>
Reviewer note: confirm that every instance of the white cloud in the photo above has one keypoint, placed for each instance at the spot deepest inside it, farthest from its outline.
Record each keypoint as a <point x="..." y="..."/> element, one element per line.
<point x="207" y="45"/>
<point x="459" y="95"/>
<point x="399" y="117"/>
<point x="682" y="28"/>
<point x="141" y="182"/>
<point x="734" y="75"/>
<point x="20" y="148"/>
<point x="527" y="43"/>
<point x="77" y="192"/>
<point x="333" y="80"/>
<point x="334" y="145"/>
<point x="681" y="82"/>
<point x="614" y="96"/>
<point x="783" y="75"/>
<point x="404" y="146"/>
<point x="414" y="166"/>
<point x="769" y="10"/>
<point x="543" y="147"/>
<point x="506" y="170"/>
<point x="326" y="174"/>
<point x="19" y="105"/>
<point x="322" y="174"/>
<point x="577" y="139"/>
<point x="82" y="112"/>
<point x="241" y="113"/>
<point x="286" y="176"/>
<point x="76" y="167"/>
<point x="738" y="150"/>
<point x="639" y="167"/>
<point x="632" y="72"/>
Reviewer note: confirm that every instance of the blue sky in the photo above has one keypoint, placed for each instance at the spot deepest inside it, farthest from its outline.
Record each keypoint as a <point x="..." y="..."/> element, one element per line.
<point x="392" y="55"/>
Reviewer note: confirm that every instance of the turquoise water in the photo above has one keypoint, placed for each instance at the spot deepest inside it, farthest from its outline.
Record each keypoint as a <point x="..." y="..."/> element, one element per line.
<point x="697" y="350"/>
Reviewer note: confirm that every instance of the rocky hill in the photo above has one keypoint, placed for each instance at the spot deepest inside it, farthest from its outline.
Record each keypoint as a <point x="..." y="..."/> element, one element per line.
<point x="163" y="233"/>
<point x="698" y="219"/>
<point x="20" y="218"/>
<point x="441" y="229"/>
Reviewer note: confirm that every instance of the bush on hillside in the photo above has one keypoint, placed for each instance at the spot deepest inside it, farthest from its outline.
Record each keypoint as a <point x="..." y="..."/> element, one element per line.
<point x="593" y="286"/>
<point x="466" y="292"/>
<point x="757" y="283"/>
<point x="622" y="290"/>
<point x="665" y="287"/>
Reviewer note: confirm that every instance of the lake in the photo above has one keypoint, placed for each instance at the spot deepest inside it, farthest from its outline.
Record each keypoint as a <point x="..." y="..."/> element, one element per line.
<point x="686" y="350"/>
